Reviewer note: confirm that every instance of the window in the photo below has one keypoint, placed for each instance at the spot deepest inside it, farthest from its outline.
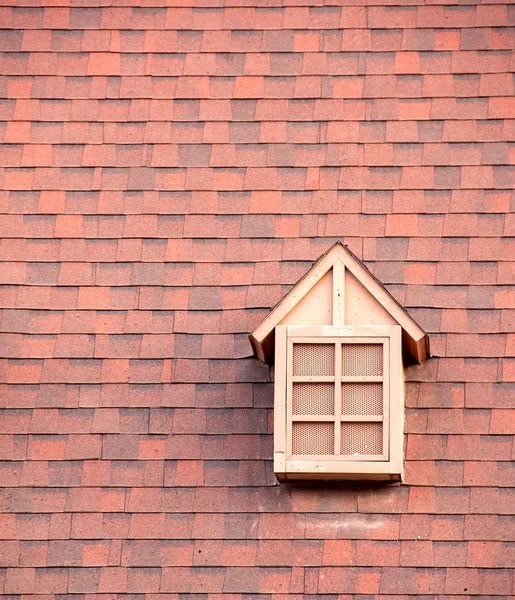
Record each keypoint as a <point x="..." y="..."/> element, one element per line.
<point x="338" y="402"/>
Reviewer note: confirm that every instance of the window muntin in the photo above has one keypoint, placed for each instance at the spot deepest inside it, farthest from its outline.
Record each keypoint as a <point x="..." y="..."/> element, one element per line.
<point x="337" y="399"/>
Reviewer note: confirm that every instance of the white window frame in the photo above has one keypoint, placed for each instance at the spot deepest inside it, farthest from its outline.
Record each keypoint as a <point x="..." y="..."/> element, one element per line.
<point x="387" y="466"/>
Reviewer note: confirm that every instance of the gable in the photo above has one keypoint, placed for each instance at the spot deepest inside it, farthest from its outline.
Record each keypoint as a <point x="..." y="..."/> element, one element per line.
<point x="339" y="290"/>
<point x="361" y="308"/>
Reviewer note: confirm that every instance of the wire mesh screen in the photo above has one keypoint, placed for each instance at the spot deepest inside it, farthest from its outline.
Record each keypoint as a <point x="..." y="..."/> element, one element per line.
<point x="313" y="438"/>
<point x="313" y="399"/>
<point x="362" y="438"/>
<point x="362" y="398"/>
<point x="362" y="360"/>
<point x="313" y="359"/>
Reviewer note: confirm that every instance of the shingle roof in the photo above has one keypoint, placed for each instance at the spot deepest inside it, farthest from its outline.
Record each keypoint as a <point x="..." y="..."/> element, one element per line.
<point x="168" y="171"/>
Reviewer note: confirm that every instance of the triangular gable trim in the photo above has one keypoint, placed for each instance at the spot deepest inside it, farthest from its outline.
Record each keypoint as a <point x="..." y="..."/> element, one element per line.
<point x="415" y="339"/>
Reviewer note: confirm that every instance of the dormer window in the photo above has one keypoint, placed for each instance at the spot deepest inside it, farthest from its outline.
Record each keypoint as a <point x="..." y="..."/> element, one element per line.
<point x="338" y="339"/>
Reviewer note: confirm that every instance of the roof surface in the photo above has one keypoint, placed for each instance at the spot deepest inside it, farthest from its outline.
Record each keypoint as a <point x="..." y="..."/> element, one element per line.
<point x="168" y="171"/>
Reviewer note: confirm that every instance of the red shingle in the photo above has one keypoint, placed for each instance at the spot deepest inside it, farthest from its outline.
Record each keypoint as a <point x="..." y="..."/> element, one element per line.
<point x="258" y="113"/>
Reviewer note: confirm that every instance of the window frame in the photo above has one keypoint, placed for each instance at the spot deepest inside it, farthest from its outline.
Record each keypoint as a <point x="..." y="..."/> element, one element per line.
<point x="389" y="465"/>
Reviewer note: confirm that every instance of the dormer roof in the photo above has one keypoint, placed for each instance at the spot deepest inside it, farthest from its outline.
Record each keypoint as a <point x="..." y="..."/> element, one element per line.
<point x="339" y="290"/>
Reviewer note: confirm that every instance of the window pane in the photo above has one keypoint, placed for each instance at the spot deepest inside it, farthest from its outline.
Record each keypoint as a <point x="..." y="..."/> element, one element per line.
<point x="362" y="398"/>
<point x="362" y="438"/>
<point x="362" y="360"/>
<point x="313" y="359"/>
<point x="313" y="399"/>
<point x="313" y="438"/>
